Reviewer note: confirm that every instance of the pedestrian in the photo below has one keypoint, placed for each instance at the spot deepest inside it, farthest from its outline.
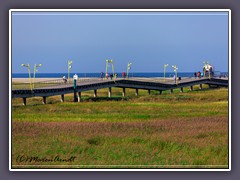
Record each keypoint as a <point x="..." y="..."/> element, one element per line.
<point x="211" y="72"/>
<point x="106" y="75"/>
<point x="64" y="79"/>
<point x="101" y="75"/>
<point x="111" y="76"/>
<point x="199" y="74"/>
<point x="195" y="75"/>
<point x="122" y="74"/>
<point x="174" y="77"/>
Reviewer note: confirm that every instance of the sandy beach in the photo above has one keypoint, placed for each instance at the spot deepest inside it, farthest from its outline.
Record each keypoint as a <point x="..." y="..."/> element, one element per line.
<point x="22" y="80"/>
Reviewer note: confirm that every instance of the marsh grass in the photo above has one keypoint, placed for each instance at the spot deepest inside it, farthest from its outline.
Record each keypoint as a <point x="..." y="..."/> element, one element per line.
<point x="186" y="130"/>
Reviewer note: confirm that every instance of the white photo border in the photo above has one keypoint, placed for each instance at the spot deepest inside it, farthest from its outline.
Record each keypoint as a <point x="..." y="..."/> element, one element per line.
<point x="118" y="10"/>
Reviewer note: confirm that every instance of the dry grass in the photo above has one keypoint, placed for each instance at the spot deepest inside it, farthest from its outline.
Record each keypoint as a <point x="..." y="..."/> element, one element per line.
<point x="197" y="141"/>
<point x="185" y="130"/>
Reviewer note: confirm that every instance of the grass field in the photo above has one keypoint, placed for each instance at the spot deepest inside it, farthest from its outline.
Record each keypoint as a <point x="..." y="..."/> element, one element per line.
<point x="179" y="130"/>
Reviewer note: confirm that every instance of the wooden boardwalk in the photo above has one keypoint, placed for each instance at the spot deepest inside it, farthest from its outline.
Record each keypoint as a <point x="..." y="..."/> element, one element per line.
<point x="53" y="88"/>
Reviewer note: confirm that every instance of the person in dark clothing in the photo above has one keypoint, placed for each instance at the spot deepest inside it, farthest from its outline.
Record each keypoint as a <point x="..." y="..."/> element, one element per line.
<point x="199" y="74"/>
<point x="195" y="75"/>
<point x="101" y="75"/>
<point x="111" y="75"/>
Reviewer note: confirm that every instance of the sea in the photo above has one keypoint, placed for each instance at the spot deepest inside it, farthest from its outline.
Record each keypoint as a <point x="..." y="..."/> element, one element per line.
<point x="131" y="74"/>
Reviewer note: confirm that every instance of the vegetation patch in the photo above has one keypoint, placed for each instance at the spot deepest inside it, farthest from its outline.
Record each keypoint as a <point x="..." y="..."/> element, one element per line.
<point x="94" y="141"/>
<point x="179" y="130"/>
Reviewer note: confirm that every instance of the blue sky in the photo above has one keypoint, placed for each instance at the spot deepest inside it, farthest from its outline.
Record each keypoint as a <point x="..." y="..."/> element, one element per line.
<point x="147" y="39"/>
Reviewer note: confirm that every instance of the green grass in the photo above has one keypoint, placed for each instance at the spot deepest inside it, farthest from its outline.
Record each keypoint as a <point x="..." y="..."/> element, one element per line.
<point x="184" y="130"/>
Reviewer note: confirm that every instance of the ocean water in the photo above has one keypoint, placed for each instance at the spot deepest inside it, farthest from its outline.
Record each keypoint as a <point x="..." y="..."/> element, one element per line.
<point x="60" y="75"/>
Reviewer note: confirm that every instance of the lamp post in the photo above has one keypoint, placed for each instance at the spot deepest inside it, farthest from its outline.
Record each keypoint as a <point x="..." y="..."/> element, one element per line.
<point x="34" y="72"/>
<point x="75" y="78"/>
<point x="128" y="68"/>
<point x="29" y="73"/>
<point x="175" y="70"/>
<point x="107" y="62"/>
<point x="69" y="67"/>
<point x="165" y="66"/>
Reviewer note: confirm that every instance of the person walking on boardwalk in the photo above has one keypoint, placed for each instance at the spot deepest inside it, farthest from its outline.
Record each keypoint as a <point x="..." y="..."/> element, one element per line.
<point x="199" y="74"/>
<point x="64" y="79"/>
<point x="101" y="75"/>
<point x="174" y="77"/>
<point x="111" y="76"/>
<point x="195" y="75"/>
<point x="123" y="74"/>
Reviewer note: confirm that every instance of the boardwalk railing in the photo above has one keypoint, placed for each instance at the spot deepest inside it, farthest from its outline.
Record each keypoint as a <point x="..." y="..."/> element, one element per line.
<point x="49" y="84"/>
<point x="57" y="83"/>
<point x="69" y="83"/>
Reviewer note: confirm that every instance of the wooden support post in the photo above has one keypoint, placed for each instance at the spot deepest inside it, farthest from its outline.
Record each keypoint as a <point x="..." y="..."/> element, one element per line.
<point x="95" y="93"/>
<point x="191" y="88"/>
<point x="62" y="97"/>
<point x="124" y="92"/>
<point x="74" y="96"/>
<point x="171" y="91"/>
<point x="200" y="86"/>
<point x="160" y="92"/>
<point x="24" y="101"/>
<point x="79" y="96"/>
<point x="149" y="91"/>
<point x="181" y="89"/>
<point x="44" y="100"/>
<point x="109" y="92"/>
<point x="136" y="92"/>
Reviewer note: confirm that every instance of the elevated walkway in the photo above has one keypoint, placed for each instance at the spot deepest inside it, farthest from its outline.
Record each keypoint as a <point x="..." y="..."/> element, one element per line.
<point x="53" y="88"/>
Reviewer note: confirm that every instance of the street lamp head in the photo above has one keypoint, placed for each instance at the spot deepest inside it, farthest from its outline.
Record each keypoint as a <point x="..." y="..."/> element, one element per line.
<point x="175" y="67"/>
<point x="38" y="65"/>
<point x="25" y="65"/>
